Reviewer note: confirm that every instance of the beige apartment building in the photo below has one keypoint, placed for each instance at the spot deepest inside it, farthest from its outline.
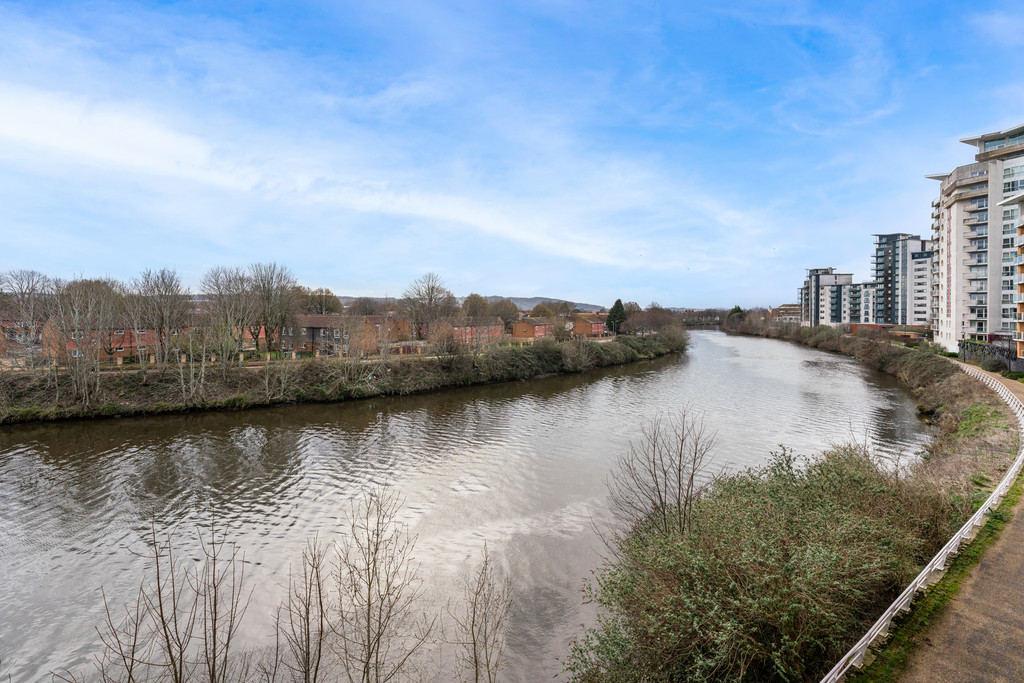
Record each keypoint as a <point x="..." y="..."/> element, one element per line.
<point x="974" y="288"/>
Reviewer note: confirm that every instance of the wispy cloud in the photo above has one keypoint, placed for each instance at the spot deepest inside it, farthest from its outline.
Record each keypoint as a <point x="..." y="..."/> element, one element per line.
<point x="546" y="145"/>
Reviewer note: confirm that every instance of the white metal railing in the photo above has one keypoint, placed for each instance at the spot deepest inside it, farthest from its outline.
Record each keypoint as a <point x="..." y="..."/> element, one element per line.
<point x="861" y="654"/>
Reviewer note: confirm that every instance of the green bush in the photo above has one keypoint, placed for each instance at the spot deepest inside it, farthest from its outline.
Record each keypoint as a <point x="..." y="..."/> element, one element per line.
<point x="993" y="364"/>
<point x="782" y="569"/>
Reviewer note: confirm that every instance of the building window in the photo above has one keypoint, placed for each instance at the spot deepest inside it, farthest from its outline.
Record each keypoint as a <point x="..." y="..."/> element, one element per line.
<point x="118" y="331"/>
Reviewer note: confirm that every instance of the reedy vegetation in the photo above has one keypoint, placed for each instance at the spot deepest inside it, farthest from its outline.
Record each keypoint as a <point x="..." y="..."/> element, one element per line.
<point x="772" y="573"/>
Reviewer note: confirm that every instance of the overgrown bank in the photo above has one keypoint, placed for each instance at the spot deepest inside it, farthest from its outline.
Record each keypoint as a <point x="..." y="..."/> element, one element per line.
<point x="774" y="572"/>
<point x="31" y="397"/>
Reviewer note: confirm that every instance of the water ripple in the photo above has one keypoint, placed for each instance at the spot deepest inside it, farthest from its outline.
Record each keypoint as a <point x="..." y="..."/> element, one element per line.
<point x="520" y="466"/>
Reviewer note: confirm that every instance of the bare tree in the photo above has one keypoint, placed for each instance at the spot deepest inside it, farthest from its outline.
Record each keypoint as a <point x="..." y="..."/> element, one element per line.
<point x="427" y="300"/>
<point x="656" y="484"/>
<point x="167" y="306"/>
<point x="365" y="305"/>
<point x="480" y="622"/>
<point x="192" y="354"/>
<point x="26" y="290"/>
<point x="80" y="313"/>
<point x="376" y="622"/>
<point x="230" y="308"/>
<point x="183" y="626"/>
<point x="304" y="618"/>
<point x="135" y="312"/>
<point x="273" y="288"/>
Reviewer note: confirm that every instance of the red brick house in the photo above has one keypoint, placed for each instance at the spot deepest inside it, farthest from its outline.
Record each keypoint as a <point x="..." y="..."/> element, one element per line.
<point x="589" y="325"/>
<point x="104" y="345"/>
<point x="533" y="328"/>
<point x="473" y="331"/>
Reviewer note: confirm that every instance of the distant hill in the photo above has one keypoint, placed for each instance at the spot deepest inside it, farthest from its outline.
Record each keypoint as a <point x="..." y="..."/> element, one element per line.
<point x="525" y="303"/>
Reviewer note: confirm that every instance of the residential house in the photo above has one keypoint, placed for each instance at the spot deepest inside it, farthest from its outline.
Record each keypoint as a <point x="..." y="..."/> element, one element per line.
<point x="473" y="331"/>
<point x="533" y="328"/>
<point x="589" y="325"/>
<point x="105" y="345"/>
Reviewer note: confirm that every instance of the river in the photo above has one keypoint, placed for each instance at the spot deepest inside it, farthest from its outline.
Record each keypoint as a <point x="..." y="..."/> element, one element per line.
<point x="520" y="466"/>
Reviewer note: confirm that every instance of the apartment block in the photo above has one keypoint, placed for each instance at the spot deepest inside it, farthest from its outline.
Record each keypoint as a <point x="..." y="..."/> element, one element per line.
<point x="831" y="298"/>
<point x="902" y="271"/>
<point x="1016" y="202"/>
<point x="975" y="242"/>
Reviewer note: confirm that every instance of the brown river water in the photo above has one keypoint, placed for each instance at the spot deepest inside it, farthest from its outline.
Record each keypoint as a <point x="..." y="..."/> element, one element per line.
<point x="520" y="466"/>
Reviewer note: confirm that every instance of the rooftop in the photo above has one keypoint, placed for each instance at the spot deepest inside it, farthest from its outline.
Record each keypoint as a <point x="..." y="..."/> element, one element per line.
<point x="974" y="140"/>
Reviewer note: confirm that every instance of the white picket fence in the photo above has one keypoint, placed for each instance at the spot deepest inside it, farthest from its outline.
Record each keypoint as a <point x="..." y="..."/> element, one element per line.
<point x="860" y="655"/>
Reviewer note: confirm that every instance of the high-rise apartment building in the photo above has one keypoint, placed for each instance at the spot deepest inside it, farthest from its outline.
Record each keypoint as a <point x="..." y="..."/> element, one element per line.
<point x="1016" y="201"/>
<point x="975" y="250"/>
<point x="902" y="271"/>
<point x="831" y="298"/>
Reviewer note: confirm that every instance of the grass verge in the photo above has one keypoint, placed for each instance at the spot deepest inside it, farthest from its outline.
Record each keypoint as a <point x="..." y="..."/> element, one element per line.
<point x="894" y="656"/>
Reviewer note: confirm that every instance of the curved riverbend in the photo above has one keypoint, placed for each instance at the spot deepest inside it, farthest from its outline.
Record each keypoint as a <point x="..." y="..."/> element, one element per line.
<point x="520" y="466"/>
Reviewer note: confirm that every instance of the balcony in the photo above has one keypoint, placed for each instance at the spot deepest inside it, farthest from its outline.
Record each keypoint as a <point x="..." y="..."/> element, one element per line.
<point x="975" y="262"/>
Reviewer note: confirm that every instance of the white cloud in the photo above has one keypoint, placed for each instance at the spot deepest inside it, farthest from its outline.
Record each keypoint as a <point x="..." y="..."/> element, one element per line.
<point x="1001" y="27"/>
<point x="113" y="134"/>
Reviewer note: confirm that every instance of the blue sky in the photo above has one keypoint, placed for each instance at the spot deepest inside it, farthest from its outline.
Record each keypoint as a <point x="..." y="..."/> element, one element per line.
<point x="696" y="156"/>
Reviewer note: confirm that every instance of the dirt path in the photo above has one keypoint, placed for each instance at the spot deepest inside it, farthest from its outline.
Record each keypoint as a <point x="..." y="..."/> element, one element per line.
<point x="980" y="635"/>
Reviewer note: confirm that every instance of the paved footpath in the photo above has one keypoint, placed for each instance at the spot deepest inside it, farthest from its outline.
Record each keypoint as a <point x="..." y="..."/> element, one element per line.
<point x="980" y="635"/>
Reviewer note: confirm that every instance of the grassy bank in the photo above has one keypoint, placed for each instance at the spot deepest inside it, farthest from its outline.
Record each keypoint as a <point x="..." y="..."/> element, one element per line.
<point x="33" y="397"/>
<point x="782" y="568"/>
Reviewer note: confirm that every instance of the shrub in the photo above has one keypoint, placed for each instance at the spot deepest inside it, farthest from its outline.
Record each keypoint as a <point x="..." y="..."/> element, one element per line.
<point x="783" y="566"/>
<point x="993" y="364"/>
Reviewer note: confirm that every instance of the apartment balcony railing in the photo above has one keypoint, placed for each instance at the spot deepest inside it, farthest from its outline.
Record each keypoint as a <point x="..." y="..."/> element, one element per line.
<point x="975" y="262"/>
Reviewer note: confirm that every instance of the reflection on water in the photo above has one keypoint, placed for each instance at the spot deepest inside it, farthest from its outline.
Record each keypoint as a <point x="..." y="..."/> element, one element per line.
<point x="519" y="465"/>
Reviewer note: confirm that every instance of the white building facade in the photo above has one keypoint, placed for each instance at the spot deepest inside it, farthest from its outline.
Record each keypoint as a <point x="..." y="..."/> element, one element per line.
<point x="975" y="253"/>
<point x="831" y="298"/>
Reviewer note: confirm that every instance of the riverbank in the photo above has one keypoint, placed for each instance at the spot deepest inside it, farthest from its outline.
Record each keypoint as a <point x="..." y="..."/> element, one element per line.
<point x="782" y="568"/>
<point x="39" y="397"/>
